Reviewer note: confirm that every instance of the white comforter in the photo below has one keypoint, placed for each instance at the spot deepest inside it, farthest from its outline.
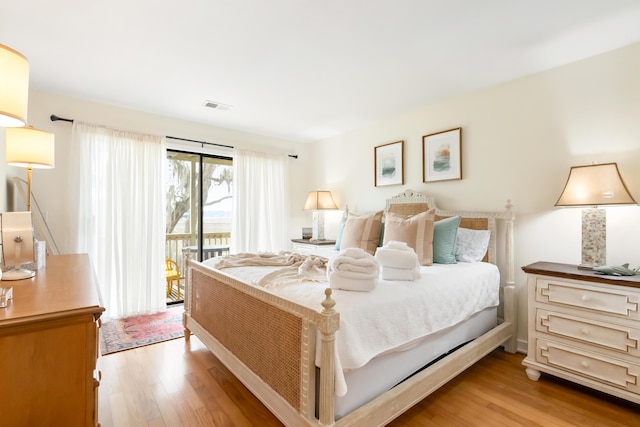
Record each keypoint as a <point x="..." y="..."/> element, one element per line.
<point x="396" y="314"/>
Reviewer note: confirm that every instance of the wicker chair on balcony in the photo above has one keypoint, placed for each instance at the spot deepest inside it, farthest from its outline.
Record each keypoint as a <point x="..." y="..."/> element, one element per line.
<point x="173" y="273"/>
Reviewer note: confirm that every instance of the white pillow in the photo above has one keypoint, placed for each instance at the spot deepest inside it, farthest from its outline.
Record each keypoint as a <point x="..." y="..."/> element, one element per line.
<point x="471" y="245"/>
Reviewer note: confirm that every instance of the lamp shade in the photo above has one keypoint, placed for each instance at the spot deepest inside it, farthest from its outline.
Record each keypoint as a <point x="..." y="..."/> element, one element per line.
<point x="594" y="185"/>
<point x="30" y="147"/>
<point x="319" y="200"/>
<point x="14" y="87"/>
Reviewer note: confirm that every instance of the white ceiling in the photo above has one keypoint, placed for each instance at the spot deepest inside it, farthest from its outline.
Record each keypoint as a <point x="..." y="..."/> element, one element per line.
<point x="301" y="70"/>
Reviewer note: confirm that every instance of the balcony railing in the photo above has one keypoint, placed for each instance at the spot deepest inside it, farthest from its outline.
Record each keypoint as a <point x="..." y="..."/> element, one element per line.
<point x="213" y="244"/>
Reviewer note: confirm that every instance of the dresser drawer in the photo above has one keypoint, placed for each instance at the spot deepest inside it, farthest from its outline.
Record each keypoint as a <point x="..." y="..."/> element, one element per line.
<point x="618" y="338"/>
<point x="599" y="368"/>
<point x="606" y="300"/>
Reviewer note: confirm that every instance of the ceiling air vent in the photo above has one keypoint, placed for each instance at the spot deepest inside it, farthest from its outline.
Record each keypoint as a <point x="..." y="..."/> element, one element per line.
<point x="216" y="105"/>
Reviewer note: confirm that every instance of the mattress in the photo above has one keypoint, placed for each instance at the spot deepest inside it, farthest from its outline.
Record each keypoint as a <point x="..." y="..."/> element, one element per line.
<point x="384" y="372"/>
<point x="396" y="315"/>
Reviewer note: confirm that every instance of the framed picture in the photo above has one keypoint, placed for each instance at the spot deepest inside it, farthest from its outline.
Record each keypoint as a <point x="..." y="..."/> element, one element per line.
<point x="389" y="164"/>
<point x="442" y="155"/>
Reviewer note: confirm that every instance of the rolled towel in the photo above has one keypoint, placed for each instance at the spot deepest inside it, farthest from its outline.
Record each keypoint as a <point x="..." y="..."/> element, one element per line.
<point x="397" y="255"/>
<point x="338" y="281"/>
<point x="404" y="274"/>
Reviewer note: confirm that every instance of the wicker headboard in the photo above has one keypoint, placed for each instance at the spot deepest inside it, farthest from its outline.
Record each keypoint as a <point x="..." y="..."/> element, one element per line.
<point x="411" y="203"/>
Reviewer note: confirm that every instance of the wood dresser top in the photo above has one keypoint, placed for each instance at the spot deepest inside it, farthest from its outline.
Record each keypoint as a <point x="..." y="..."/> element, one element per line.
<point x="66" y="285"/>
<point x="571" y="271"/>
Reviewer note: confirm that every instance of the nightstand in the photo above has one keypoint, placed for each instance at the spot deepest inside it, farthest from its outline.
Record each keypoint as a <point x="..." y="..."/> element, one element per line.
<point x="584" y="327"/>
<point x="308" y="245"/>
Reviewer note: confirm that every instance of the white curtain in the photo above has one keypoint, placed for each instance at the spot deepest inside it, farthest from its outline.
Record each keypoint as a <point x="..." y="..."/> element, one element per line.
<point x="260" y="202"/>
<point x="120" y="215"/>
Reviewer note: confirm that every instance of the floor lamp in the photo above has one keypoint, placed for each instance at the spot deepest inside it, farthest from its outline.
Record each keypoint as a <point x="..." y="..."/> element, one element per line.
<point x="591" y="186"/>
<point x="30" y="148"/>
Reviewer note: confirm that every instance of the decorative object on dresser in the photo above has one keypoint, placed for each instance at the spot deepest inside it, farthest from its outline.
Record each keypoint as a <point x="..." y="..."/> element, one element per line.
<point x="318" y="202"/>
<point x="591" y="186"/>
<point x="14" y="91"/>
<point x="30" y="148"/>
<point x="584" y="327"/>
<point x="49" y="347"/>
<point x="442" y="156"/>
<point x="388" y="161"/>
<point x="307" y="233"/>
<point x="17" y="245"/>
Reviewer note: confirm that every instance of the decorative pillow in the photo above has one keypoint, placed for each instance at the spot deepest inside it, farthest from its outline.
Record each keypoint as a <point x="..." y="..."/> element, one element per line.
<point x="416" y="231"/>
<point x="362" y="232"/>
<point x="471" y="245"/>
<point x="343" y="221"/>
<point x="445" y="232"/>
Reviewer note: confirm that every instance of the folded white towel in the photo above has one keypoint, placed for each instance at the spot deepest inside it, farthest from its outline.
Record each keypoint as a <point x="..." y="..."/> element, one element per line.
<point x="397" y="255"/>
<point x="395" y="244"/>
<point x="353" y="269"/>
<point x="338" y="281"/>
<point x="404" y="274"/>
<point x="354" y="263"/>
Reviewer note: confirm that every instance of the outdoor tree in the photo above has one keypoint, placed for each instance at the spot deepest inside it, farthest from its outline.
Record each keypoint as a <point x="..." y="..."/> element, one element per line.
<point x="179" y="191"/>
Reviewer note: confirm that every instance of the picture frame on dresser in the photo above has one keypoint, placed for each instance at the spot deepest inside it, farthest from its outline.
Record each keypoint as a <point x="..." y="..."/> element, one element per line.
<point x="442" y="156"/>
<point x="389" y="164"/>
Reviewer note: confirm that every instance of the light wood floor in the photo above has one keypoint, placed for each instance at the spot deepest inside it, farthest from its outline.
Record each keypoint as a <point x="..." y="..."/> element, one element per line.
<point x="175" y="384"/>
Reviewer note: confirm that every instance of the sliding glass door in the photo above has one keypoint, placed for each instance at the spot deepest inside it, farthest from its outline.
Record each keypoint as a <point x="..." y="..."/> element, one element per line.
<point x="198" y="209"/>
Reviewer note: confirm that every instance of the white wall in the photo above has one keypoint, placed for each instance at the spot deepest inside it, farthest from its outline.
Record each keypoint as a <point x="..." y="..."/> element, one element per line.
<point x="50" y="186"/>
<point x="518" y="142"/>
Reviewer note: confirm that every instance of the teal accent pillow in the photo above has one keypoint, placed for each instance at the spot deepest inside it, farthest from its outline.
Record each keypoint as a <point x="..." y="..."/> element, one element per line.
<point x="445" y="233"/>
<point x="343" y="221"/>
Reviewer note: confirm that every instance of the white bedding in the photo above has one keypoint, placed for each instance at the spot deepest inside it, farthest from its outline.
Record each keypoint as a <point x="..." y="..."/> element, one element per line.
<point x="396" y="314"/>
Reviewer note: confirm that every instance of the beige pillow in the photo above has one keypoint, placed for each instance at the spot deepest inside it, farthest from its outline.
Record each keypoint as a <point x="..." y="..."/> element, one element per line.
<point x="362" y="232"/>
<point x="416" y="231"/>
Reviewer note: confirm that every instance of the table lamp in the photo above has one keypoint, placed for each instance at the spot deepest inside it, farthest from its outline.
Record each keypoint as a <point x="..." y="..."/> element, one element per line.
<point x="14" y="87"/>
<point x="318" y="202"/>
<point x="591" y="186"/>
<point x="30" y="148"/>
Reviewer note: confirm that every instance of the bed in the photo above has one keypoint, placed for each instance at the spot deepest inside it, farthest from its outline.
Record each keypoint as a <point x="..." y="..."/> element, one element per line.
<point x="290" y="351"/>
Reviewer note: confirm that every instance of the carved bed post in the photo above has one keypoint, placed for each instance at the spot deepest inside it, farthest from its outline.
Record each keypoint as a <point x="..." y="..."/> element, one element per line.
<point x="510" y="300"/>
<point x="328" y="325"/>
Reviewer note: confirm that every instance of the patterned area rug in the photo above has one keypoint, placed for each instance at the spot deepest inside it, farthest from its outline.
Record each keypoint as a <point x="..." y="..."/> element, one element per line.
<point x="136" y="331"/>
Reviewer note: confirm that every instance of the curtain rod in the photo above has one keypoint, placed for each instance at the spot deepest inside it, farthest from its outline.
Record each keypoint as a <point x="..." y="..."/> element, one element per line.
<point x="55" y="118"/>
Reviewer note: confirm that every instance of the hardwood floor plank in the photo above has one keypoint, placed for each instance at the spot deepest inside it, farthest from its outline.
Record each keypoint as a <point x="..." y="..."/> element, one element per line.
<point x="177" y="384"/>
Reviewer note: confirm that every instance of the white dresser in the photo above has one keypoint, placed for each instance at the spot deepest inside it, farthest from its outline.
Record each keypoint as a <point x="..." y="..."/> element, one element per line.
<point x="584" y="327"/>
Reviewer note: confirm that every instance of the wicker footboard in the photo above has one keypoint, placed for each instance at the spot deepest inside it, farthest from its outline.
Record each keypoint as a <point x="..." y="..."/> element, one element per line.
<point x="265" y="338"/>
<point x="267" y="342"/>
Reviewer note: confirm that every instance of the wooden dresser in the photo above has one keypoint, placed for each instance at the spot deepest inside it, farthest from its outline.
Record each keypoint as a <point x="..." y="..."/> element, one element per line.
<point x="584" y="327"/>
<point x="49" y="346"/>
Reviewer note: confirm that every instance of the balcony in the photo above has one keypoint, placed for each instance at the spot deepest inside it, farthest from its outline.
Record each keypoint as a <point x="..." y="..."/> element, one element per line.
<point x="178" y="244"/>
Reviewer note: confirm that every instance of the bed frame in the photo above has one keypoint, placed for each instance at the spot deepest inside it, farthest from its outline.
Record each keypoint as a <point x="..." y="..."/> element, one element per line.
<point x="269" y="343"/>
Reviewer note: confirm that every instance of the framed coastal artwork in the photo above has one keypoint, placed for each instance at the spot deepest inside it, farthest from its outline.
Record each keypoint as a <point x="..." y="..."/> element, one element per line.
<point x="389" y="164"/>
<point x="442" y="156"/>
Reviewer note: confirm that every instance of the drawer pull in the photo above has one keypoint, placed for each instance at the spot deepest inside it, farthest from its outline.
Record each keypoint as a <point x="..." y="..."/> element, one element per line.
<point x="584" y="331"/>
<point x="586" y="298"/>
<point x="584" y="364"/>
